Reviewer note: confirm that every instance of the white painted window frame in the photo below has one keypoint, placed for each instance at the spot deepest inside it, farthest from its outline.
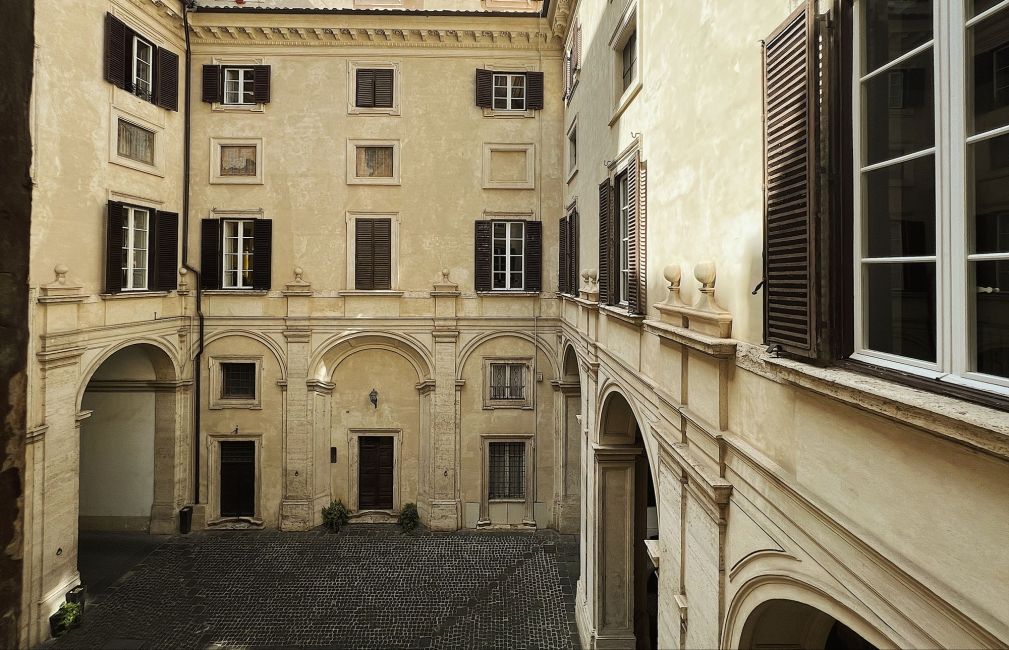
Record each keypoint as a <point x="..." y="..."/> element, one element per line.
<point x="508" y="257"/>
<point x="623" y="208"/>
<point x="240" y="251"/>
<point x="510" y="87"/>
<point x="238" y="62"/>
<point x="954" y="326"/>
<point x="149" y="78"/>
<point x="572" y="149"/>
<point x="627" y="26"/>
<point x="246" y="83"/>
<point x="129" y="222"/>
<point x="117" y="113"/>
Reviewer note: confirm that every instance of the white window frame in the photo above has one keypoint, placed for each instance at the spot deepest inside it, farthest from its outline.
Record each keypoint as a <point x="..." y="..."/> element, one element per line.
<point x="149" y="79"/>
<point x="627" y="26"/>
<point x="129" y="246"/>
<point x="572" y="149"/>
<point x="510" y="87"/>
<point x="954" y="297"/>
<point x="354" y="179"/>
<point x="237" y="62"/>
<point x="246" y="84"/>
<point x="216" y="178"/>
<point x="239" y="252"/>
<point x="217" y="383"/>
<point x="353" y="108"/>
<point x="508" y="257"/>
<point x="623" y="209"/>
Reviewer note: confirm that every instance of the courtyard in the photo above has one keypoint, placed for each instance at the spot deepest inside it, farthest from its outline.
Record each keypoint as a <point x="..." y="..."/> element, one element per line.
<point x="369" y="586"/>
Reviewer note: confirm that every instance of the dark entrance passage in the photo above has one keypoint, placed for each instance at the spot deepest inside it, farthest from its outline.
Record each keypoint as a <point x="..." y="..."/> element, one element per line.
<point x="375" y="473"/>
<point x="238" y="478"/>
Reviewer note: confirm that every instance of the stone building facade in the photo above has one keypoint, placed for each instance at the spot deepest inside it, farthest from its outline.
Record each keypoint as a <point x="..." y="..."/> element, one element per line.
<point x="350" y="249"/>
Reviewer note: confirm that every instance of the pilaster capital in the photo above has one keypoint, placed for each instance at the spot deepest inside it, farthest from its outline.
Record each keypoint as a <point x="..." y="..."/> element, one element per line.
<point x="445" y="336"/>
<point x="59" y="357"/>
<point x="298" y="335"/>
<point x="425" y="387"/>
<point x="320" y="386"/>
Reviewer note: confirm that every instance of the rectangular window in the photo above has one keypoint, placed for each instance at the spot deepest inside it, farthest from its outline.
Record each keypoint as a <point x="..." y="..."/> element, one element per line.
<point x="573" y="150"/>
<point x="506" y="475"/>
<point x="239" y="86"/>
<point x="507" y="381"/>
<point x="238" y="253"/>
<point x="629" y="59"/>
<point x="238" y="160"/>
<point x="375" y="162"/>
<point x="238" y="381"/>
<point x="374" y="88"/>
<point x="135" y="143"/>
<point x="373" y="254"/>
<point x="508" y="255"/>
<point x="136" y="231"/>
<point x="143" y="67"/>
<point x="623" y="239"/>
<point x="509" y="92"/>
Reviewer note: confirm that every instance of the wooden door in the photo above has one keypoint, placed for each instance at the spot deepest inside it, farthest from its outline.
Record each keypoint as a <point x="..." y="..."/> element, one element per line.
<point x="238" y="478"/>
<point x="375" y="467"/>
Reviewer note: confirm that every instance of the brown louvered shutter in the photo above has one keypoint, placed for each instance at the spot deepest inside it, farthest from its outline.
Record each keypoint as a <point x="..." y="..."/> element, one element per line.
<point x="563" y="261"/>
<point x="262" y="254"/>
<point x="484" y="88"/>
<point x="482" y="256"/>
<point x="365" y="89"/>
<point x="641" y="242"/>
<point x="605" y="244"/>
<point x="114" y="247"/>
<point x="534" y="90"/>
<point x="573" y="254"/>
<point x="168" y="79"/>
<point x="534" y="256"/>
<point x="790" y="184"/>
<point x="568" y="72"/>
<point x="633" y="234"/>
<point x="166" y="244"/>
<point x="261" y="84"/>
<point x="210" y="253"/>
<point x="364" y="260"/>
<point x="382" y="254"/>
<point x="384" y="81"/>
<point x="576" y="64"/>
<point x="212" y="86"/>
<point x="115" y="51"/>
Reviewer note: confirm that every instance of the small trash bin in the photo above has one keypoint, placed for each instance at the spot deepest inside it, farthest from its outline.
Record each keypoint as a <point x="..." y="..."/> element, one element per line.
<point x="186" y="520"/>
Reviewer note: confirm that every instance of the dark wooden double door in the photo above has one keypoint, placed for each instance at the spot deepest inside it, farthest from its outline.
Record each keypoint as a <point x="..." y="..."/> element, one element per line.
<point x="238" y="478"/>
<point x="375" y="472"/>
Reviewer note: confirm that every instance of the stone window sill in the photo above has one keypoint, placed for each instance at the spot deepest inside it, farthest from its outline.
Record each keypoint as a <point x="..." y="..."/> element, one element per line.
<point x="235" y="292"/>
<point x="512" y="294"/>
<point x="622" y="314"/>
<point x="133" y="294"/>
<point x="377" y="292"/>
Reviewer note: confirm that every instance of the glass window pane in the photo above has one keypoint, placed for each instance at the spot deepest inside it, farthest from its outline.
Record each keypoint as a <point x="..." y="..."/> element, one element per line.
<point x="516" y="280"/>
<point x="991" y="315"/>
<point x="990" y="167"/>
<point x="981" y="6"/>
<point x="988" y="58"/>
<point x="900" y="110"/>
<point x="900" y="305"/>
<point x="900" y="209"/>
<point x="139" y="278"/>
<point x="895" y="27"/>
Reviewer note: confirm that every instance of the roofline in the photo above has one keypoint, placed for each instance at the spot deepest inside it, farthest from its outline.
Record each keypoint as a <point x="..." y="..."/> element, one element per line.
<point x="372" y="12"/>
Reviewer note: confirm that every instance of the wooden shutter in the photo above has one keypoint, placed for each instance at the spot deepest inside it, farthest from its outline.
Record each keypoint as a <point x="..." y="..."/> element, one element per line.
<point x="605" y="244"/>
<point x="569" y="72"/>
<point x="114" y="247"/>
<point x="534" y="90"/>
<point x="115" y="51"/>
<point x="384" y="82"/>
<point x="261" y="84"/>
<point x="213" y="89"/>
<point x="563" y="261"/>
<point x="166" y="245"/>
<point x="168" y="79"/>
<point x="482" y="257"/>
<point x="210" y="253"/>
<point x="262" y="255"/>
<point x="484" y="88"/>
<point x="382" y="254"/>
<point x="372" y="254"/>
<point x="365" y="91"/>
<point x="633" y="234"/>
<point x="790" y="256"/>
<point x="573" y="253"/>
<point x="534" y="256"/>
<point x="576" y="63"/>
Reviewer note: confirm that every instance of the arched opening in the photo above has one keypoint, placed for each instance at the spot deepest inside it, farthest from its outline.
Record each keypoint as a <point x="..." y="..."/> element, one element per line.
<point x="791" y="624"/>
<point x="569" y="447"/>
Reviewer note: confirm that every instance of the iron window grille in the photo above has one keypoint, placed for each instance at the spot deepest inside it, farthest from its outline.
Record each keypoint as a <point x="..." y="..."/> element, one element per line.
<point x="506" y="479"/>
<point x="507" y="381"/>
<point x="238" y="381"/>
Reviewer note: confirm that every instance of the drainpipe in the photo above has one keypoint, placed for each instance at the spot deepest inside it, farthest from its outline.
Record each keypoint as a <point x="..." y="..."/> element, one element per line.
<point x="187" y="6"/>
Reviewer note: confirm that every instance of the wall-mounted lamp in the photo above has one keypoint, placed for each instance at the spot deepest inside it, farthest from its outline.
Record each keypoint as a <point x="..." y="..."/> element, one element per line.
<point x="373" y="396"/>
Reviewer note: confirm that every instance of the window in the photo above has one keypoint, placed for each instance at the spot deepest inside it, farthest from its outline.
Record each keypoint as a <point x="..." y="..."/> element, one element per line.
<point x="629" y="60"/>
<point x="236" y="161"/>
<point x="509" y="92"/>
<point x="1001" y="76"/>
<point x="143" y="67"/>
<point x="572" y="61"/>
<point x="623" y="240"/>
<point x="374" y="88"/>
<point x="136" y="224"/>
<point x="238" y="380"/>
<point x="622" y="233"/>
<point x="372" y="254"/>
<point x="509" y="255"/>
<point x="507" y="381"/>
<point x="135" y="143"/>
<point x="625" y="78"/>
<point x="572" y="150"/>
<point x="136" y="65"/>
<point x="373" y="162"/>
<point x="504" y="93"/>
<point x="506" y="470"/>
<point x="238" y="253"/>
<point x="567" y="258"/>
<point x="238" y="86"/>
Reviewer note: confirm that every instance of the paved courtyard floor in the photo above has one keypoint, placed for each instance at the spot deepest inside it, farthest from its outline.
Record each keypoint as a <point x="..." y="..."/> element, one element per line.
<point x="369" y="586"/>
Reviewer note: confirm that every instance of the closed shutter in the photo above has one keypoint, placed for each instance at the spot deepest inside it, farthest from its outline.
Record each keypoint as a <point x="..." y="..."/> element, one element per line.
<point x="262" y="256"/>
<point x="384" y="81"/>
<point x="114" y="247"/>
<point x="534" y="256"/>
<point x="534" y="88"/>
<point x="261" y="84"/>
<point x="382" y="254"/>
<point x="482" y="256"/>
<point x="372" y="254"/>
<point x="365" y="89"/>
<point x="605" y="244"/>
<point x="168" y="80"/>
<point x="210" y="254"/>
<point x="212" y="87"/>
<point x="166" y="242"/>
<point x="790" y="184"/>
<point x="573" y="253"/>
<point x="484" y="88"/>
<point x="115" y="51"/>
<point x="563" y="268"/>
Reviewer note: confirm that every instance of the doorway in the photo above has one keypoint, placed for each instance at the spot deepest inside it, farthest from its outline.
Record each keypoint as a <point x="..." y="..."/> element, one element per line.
<point x="375" y="472"/>
<point x="238" y="478"/>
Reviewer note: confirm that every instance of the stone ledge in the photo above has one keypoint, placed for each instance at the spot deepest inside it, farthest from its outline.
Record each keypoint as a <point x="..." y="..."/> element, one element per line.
<point x="711" y="345"/>
<point x="133" y="294"/>
<point x="622" y="315"/>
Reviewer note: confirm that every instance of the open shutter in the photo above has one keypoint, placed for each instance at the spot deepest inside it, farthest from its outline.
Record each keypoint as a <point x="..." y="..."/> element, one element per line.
<point x="115" y="51"/>
<point x="633" y="234"/>
<point x="534" y="256"/>
<point x="576" y="63"/>
<point x="563" y="261"/>
<point x="166" y="240"/>
<point x="365" y="89"/>
<point x="114" y="248"/>
<point x="168" y="79"/>
<point x="364" y="254"/>
<point x="482" y="256"/>
<point x="261" y="84"/>
<point x="484" y="88"/>
<point x="573" y="253"/>
<point x="790" y="184"/>
<point x="384" y="81"/>
<point x="604" y="242"/>
<point x="262" y="256"/>
<point x="569" y="72"/>
<point x="642" y="240"/>
<point x="210" y="253"/>
<point x="382" y="253"/>
<point x="212" y="87"/>
<point x="534" y="90"/>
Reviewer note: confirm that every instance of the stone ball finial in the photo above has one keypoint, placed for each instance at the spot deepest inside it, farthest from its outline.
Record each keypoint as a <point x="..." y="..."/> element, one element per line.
<point x="672" y="273"/>
<point x="183" y="271"/>
<point x="705" y="273"/>
<point x="585" y="275"/>
<point x="298" y="272"/>
<point x="61" y="271"/>
<point x="593" y="274"/>
<point x="444" y="274"/>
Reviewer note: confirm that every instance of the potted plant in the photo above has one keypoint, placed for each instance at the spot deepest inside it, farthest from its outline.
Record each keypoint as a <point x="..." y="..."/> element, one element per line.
<point x="335" y="516"/>
<point x="67" y="617"/>
<point x="408" y="517"/>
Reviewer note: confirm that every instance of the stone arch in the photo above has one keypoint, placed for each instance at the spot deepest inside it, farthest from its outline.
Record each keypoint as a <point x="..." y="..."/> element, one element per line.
<point x="569" y="441"/>
<point x="270" y="344"/>
<point x="817" y="605"/>
<point x="571" y="363"/>
<point x="166" y="368"/>
<point x="337" y="348"/>
<point x="472" y="346"/>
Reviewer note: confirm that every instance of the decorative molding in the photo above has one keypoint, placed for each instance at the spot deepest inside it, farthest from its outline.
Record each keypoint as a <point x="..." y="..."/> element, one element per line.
<point x="244" y="35"/>
<point x="706" y="315"/>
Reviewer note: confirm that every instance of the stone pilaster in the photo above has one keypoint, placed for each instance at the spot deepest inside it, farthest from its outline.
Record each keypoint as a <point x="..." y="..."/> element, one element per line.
<point x="445" y="510"/>
<point x="297" y="506"/>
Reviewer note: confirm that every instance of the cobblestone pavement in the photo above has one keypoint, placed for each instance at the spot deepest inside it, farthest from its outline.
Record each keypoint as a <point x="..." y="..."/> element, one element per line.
<point x="367" y="587"/>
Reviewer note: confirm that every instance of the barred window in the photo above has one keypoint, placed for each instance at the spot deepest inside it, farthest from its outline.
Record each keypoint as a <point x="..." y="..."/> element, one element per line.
<point x="507" y="470"/>
<point x="238" y="381"/>
<point x="507" y="381"/>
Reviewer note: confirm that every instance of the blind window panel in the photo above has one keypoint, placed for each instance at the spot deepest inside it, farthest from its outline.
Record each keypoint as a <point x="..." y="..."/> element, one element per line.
<point x="135" y="143"/>
<point x="506" y="470"/>
<point x="238" y="160"/>
<point x="375" y="162"/>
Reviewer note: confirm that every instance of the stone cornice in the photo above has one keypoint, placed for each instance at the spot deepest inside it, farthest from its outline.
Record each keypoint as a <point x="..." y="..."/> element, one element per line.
<point x="246" y="34"/>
